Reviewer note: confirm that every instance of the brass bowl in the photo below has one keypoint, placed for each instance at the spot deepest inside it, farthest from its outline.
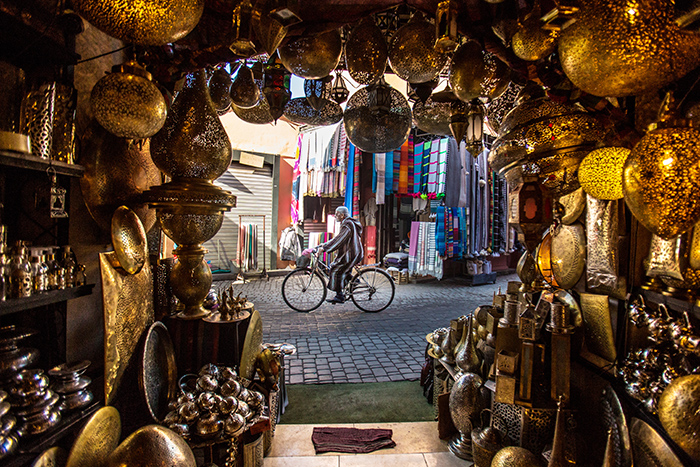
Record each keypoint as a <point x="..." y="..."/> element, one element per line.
<point x="568" y="254"/>
<point x="514" y="456"/>
<point x="679" y="406"/>
<point x="312" y="56"/>
<point x="476" y="73"/>
<point x="129" y="240"/>
<point x="189" y="228"/>
<point x="412" y="54"/>
<point x="259" y="114"/>
<point x="150" y="446"/>
<point x="15" y="142"/>
<point x="159" y="22"/>
<point x="366" y="52"/>
<point x="52" y="457"/>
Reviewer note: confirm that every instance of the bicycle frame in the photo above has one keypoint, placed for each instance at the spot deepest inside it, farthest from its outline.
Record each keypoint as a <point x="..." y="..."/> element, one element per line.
<point x="324" y="269"/>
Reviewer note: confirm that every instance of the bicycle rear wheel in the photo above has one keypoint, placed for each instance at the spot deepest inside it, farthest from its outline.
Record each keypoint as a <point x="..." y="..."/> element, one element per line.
<point x="372" y="290"/>
<point x="303" y="290"/>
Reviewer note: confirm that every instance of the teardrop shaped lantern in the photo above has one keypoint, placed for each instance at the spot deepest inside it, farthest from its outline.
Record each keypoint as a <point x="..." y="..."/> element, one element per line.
<point x="276" y="87"/>
<point x="377" y="118"/>
<point x="621" y="48"/>
<point x="220" y="90"/>
<point x="366" y="52"/>
<point x="661" y="177"/>
<point x="339" y="92"/>
<point x="459" y="120"/>
<point x="300" y="111"/>
<point x="600" y="172"/>
<point x="156" y="22"/>
<point x="477" y="73"/>
<point x="532" y="42"/>
<point x="412" y="54"/>
<point x="242" y="44"/>
<point x="245" y="92"/>
<point x="175" y="149"/>
<point x="318" y="91"/>
<point x="127" y="103"/>
<point x="432" y="117"/>
<point x="312" y="56"/>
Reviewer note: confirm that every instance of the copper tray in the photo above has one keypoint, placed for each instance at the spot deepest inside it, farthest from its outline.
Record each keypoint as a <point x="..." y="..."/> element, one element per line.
<point x="158" y="372"/>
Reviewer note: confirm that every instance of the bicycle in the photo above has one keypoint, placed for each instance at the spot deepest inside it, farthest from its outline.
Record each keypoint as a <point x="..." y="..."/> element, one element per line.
<point x="371" y="289"/>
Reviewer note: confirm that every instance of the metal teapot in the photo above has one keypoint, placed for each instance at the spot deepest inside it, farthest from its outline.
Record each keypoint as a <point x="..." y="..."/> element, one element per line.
<point x="486" y="442"/>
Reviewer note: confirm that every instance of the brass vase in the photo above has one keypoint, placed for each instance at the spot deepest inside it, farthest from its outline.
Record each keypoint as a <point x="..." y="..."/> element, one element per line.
<point x="467" y="357"/>
<point x="193" y="149"/>
<point x="620" y="48"/>
<point x="466" y="403"/>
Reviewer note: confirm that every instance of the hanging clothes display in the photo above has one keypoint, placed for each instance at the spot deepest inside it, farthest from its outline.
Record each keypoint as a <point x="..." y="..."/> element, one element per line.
<point x="423" y="258"/>
<point x="296" y="179"/>
<point x="248" y="250"/>
<point x="323" y="161"/>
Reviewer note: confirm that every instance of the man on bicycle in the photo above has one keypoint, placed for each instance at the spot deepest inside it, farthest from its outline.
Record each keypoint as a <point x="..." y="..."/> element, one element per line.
<point x="348" y="242"/>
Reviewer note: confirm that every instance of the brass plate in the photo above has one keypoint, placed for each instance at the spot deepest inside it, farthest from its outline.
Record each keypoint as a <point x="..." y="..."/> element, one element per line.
<point x="648" y="447"/>
<point x="129" y="240"/>
<point x="568" y="254"/>
<point x="251" y="346"/>
<point x="679" y="406"/>
<point x="97" y="439"/>
<point x="52" y="457"/>
<point x="615" y="421"/>
<point x="598" y="326"/>
<point x="158" y="375"/>
<point x="128" y="311"/>
<point x="574" y="204"/>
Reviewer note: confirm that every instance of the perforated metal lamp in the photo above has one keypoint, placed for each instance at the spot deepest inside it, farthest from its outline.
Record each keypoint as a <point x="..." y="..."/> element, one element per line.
<point x="340" y="92"/>
<point x="380" y="97"/>
<point x="242" y="44"/>
<point x="475" y="131"/>
<point x="446" y="26"/>
<point x="287" y="12"/>
<point x="276" y="86"/>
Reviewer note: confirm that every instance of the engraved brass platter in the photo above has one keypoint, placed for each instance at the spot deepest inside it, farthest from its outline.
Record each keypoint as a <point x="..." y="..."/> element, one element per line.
<point x="568" y="254"/>
<point x="251" y="346"/>
<point x="52" y="457"/>
<point x="679" y="406"/>
<point x="158" y="375"/>
<point x="598" y="326"/>
<point x="615" y="421"/>
<point x="543" y="255"/>
<point x="129" y="240"/>
<point x="649" y="449"/>
<point x="97" y="439"/>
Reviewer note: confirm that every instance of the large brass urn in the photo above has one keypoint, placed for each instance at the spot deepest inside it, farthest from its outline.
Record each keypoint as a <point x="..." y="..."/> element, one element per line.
<point x="193" y="149"/>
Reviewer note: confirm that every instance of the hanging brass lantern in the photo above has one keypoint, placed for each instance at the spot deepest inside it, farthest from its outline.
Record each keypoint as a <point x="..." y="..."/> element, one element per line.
<point x="530" y="212"/>
<point x="220" y="90"/>
<point x="498" y="108"/>
<point x="432" y="117"/>
<point x="243" y="44"/>
<point x="661" y="177"/>
<point x="380" y="123"/>
<point x="600" y="172"/>
<point x="366" y="52"/>
<point x="476" y="73"/>
<point x="157" y="22"/>
<point x="532" y="42"/>
<point x="287" y="12"/>
<point x="544" y="133"/>
<point x="412" y="53"/>
<point x="621" y="48"/>
<point x="276" y="87"/>
<point x="340" y="92"/>
<point x="268" y="30"/>
<point x="312" y="56"/>
<point x="259" y="114"/>
<point x="318" y="91"/>
<point x="422" y="90"/>
<point x="459" y="120"/>
<point x="127" y="103"/>
<point x="446" y="26"/>
<point x="475" y="130"/>
<point x="245" y="92"/>
<point x="300" y="111"/>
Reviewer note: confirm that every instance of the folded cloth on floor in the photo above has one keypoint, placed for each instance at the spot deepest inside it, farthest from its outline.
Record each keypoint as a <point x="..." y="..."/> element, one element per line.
<point x="352" y="440"/>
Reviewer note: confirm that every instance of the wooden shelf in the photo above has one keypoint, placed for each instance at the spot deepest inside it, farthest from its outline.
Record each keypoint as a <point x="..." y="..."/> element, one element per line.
<point x="27" y="161"/>
<point x="45" y="298"/>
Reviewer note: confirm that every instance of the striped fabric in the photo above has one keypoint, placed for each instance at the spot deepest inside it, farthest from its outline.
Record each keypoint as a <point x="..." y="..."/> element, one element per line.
<point x="403" y="169"/>
<point x="442" y="166"/>
<point x="417" y="164"/>
<point x="433" y="166"/>
<point x="425" y="167"/>
<point x="389" y="172"/>
<point x="411" y="159"/>
<point x="440" y="231"/>
<point x="357" y="157"/>
<point x="380" y="164"/>
<point x="397" y="171"/>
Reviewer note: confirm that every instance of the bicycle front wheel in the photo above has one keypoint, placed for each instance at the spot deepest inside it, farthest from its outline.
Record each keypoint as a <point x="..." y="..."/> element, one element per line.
<point x="303" y="290"/>
<point x="372" y="290"/>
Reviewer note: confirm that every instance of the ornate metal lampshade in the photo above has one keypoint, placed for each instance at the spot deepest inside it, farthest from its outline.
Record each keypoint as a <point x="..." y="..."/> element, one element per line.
<point x="679" y="399"/>
<point x="432" y="117"/>
<point x="422" y="90"/>
<point x="379" y="123"/>
<point x="127" y="103"/>
<point x="475" y="129"/>
<point x="498" y="108"/>
<point x="661" y="176"/>
<point x="412" y="54"/>
<point x="530" y="212"/>
<point x="287" y="12"/>
<point x="156" y="22"/>
<point x="245" y="92"/>
<point x="276" y="87"/>
<point x="366" y="52"/>
<point x="532" y="42"/>
<point x="476" y="73"/>
<point x="318" y="91"/>
<point x="299" y="110"/>
<point x="312" y="56"/>
<point x="220" y="90"/>
<point x="259" y="114"/>
<point x="339" y="91"/>
<point x="268" y="30"/>
<point x="618" y="48"/>
<point x="446" y="26"/>
<point x="243" y="44"/>
<point x="459" y="119"/>
<point x="600" y="172"/>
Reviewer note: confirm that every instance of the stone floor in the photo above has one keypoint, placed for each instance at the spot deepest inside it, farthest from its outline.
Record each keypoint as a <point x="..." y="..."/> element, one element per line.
<point x="417" y="445"/>
<point x="341" y="344"/>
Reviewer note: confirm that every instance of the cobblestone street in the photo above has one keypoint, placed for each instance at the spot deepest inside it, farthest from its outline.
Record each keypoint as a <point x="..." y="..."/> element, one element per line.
<point x="341" y="344"/>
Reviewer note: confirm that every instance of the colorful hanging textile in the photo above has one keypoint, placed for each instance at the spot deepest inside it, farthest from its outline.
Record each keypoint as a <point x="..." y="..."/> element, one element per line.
<point x="433" y="167"/>
<point x="397" y="170"/>
<point x="409" y="164"/>
<point x="248" y="249"/>
<point x="296" y="179"/>
<point x="425" y="168"/>
<point x="388" y="172"/>
<point x="357" y="158"/>
<point x="403" y="169"/>
<point x="350" y="180"/>
<point x="380" y="164"/>
<point x="417" y="163"/>
<point x="442" y="166"/>
<point x="440" y="230"/>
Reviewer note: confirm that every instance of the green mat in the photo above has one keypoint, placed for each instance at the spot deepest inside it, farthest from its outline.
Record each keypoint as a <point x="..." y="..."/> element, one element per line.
<point x="357" y="403"/>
